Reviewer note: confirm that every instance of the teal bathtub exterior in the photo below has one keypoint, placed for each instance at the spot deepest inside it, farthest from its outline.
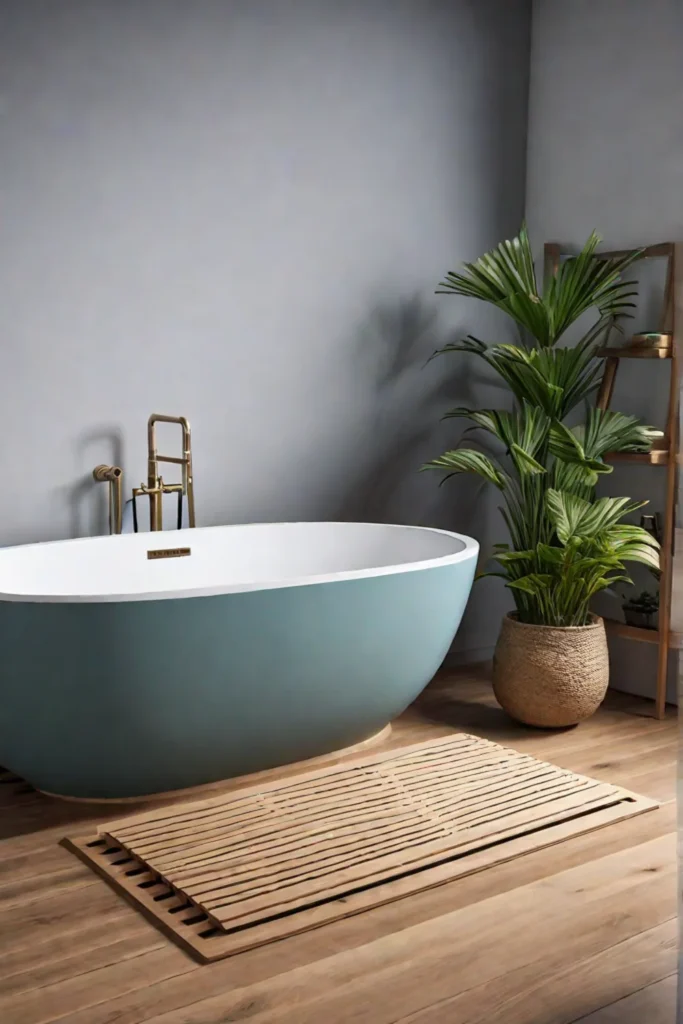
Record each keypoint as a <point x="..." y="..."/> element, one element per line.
<point x="120" y="699"/>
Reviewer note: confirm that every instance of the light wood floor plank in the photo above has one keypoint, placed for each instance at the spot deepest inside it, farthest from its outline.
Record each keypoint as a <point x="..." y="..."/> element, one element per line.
<point x="569" y="916"/>
<point x="54" y="965"/>
<point x="546" y="992"/>
<point x="73" y="951"/>
<point x="45" y="885"/>
<point x="655" y="1004"/>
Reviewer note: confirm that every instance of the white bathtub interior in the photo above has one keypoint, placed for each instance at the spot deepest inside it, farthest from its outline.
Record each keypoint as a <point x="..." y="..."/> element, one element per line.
<point x="222" y="559"/>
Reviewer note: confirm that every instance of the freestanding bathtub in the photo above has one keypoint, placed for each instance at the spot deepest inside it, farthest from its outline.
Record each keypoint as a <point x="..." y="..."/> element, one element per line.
<point x="144" y="663"/>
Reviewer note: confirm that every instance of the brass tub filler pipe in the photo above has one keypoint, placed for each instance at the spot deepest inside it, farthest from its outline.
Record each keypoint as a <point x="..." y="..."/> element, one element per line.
<point x="113" y="475"/>
<point x="155" y="487"/>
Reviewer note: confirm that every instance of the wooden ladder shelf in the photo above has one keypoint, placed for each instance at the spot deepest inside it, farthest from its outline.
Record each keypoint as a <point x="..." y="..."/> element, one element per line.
<point x="662" y="346"/>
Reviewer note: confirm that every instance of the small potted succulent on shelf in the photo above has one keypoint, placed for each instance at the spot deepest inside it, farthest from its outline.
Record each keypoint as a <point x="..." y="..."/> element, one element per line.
<point x="565" y="544"/>
<point x="642" y="610"/>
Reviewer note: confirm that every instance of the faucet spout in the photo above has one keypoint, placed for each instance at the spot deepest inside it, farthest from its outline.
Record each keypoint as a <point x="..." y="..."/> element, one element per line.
<point x="113" y="475"/>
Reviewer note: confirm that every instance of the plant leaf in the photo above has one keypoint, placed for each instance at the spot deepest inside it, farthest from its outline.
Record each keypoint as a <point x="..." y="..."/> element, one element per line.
<point x="505" y="277"/>
<point x="534" y="583"/>
<point x="565" y="512"/>
<point x="467" y="460"/>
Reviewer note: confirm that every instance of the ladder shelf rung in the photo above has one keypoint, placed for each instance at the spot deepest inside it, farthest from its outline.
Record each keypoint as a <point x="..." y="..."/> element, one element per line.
<point x="642" y="633"/>
<point x="657" y="457"/>
<point x="633" y="352"/>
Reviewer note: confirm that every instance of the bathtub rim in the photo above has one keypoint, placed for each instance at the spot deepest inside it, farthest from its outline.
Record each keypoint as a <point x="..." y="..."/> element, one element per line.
<point x="469" y="551"/>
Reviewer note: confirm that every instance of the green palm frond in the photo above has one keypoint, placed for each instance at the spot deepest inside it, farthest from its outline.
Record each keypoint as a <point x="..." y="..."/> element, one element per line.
<point x="467" y="460"/>
<point x="522" y="432"/>
<point x="565" y="512"/>
<point x="568" y="447"/>
<point x="467" y="344"/>
<point x="555" y="379"/>
<point x="626" y="532"/>
<point x="486" y="419"/>
<point x="575" y="371"/>
<point x="535" y="583"/>
<point x="576" y="477"/>
<point x="519" y="369"/>
<point x="605" y="513"/>
<point x="524" y="462"/>
<point x="573" y="516"/>
<point x="611" y="431"/>
<point x="643" y="553"/>
<point x="586" y="281"/>
<point x="505" y="277"/>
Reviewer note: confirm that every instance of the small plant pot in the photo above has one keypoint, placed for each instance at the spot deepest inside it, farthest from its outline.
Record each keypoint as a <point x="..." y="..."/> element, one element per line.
<point x="637" y="617"/>
<point x="550" y="676"/>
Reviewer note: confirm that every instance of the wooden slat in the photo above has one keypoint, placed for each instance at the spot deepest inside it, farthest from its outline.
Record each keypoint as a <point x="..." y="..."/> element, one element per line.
<point x="648" y="636"/>
<point x="672" y="441"/>
<point x="606" y="389"/>
<point x="648" y="252"/>
<point x="635" y="352"/>
<point x="657" y="457"/>
<point x="232" y="864"/>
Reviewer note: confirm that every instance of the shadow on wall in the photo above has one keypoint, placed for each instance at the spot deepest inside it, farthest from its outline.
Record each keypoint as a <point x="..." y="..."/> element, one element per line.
<point x="405" y="427"/>
<point x="404" y="402"/>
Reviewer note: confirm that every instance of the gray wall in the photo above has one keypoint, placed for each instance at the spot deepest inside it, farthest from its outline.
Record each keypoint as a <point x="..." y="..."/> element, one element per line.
<point x="237" y="210"/>
<point x="606" y="151"/>
<point x="605" y="145"/>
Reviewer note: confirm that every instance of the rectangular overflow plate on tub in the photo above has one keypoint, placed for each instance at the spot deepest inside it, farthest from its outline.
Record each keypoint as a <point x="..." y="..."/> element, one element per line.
<point x="156" y="553"/>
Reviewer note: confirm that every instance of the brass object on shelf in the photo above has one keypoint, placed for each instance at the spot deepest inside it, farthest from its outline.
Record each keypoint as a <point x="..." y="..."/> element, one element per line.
<point x="113" y="475"/>
<point x="155" y="487"/>
<point x="640" y="346"/>
<point x="652" y="339"/>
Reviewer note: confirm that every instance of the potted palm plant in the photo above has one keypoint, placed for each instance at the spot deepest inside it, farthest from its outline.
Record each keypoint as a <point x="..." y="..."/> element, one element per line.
<point x="550" y="664"/>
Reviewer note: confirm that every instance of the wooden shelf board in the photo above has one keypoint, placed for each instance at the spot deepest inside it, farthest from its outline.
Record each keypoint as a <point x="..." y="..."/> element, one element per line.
<point x="657" y="457"/>
<point x="649" y="252"/>
<point x="634" y="352"/>
<point x="648" y="636"/>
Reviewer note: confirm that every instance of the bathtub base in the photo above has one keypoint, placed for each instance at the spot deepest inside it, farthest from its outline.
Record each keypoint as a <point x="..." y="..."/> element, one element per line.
<point x="216" y="787"/>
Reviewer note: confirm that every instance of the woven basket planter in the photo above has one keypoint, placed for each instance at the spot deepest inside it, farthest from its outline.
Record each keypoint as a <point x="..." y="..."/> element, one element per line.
<point x="550" y="676"/>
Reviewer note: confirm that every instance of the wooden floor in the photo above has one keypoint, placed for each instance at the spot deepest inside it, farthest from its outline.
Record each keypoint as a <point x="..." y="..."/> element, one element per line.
<point x="585" y="930"/>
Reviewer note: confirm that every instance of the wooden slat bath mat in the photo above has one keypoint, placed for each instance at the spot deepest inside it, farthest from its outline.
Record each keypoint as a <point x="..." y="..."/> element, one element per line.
<point x="238" y="870"/>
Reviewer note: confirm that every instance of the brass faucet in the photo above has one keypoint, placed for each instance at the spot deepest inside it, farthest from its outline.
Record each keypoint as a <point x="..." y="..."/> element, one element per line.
<point x="155" y="487"/>
<point x="113" y="475"/>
